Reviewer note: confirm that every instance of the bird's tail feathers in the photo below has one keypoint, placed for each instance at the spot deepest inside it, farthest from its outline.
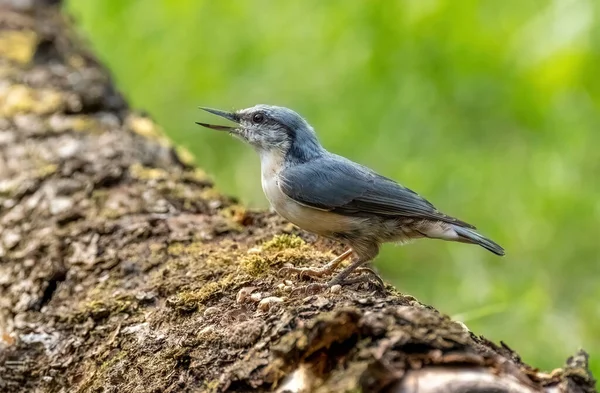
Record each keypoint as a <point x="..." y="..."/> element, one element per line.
<point x="468" y="235"/>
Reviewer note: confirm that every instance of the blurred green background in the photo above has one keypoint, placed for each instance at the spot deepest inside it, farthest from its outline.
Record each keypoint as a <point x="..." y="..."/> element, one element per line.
<point x="489" y="109"/>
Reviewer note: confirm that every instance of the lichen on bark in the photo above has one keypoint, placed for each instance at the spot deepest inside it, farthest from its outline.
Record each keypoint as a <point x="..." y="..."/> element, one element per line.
<point x="123" y="269"/>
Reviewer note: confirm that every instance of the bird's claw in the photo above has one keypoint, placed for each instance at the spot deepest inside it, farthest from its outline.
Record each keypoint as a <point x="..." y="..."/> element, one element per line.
<point x="310" y="289"/>
<point x="302" y="272"/>
<point x="288" y="271"/>
<point x="369" y="277"/>
<point x="369" y="273"/>
<point x="365" y="278"/>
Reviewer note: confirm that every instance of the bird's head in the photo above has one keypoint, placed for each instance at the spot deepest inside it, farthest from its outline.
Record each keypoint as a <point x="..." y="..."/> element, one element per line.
<point x="271" y="129"/>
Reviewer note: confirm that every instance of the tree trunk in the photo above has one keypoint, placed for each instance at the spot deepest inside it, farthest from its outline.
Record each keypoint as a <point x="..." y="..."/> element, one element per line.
<point x="122" y="269"/>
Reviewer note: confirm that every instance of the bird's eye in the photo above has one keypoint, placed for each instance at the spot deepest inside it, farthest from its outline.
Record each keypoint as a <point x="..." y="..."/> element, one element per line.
<point x="258" y="118"/>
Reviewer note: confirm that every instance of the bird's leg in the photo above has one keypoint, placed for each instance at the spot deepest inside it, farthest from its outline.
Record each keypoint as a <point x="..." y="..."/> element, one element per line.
<point x="365" y="254"/>
<point x="317" y="271"/>
<point x="340" y="278"/>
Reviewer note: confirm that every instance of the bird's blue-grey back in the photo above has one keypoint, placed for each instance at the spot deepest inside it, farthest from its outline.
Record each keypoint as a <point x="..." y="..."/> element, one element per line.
<point x="334" y="183"/>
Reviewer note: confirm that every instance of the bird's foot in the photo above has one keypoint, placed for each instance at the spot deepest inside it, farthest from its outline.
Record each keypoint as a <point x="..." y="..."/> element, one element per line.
<point x="368" y="276"/>
<point x="368" y="279"/>
<point x="369" y="273"/>
<point x="310" y="289"/>
<point x="316" y="272"/>
<point x="313" y="272"/>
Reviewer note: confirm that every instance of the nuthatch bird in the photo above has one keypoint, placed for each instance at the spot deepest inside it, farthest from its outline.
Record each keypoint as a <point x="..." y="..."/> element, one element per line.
<point x="334" y="197"/>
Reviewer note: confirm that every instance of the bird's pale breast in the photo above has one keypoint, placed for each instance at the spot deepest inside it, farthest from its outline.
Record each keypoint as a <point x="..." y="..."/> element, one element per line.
<point x="313" y="220"/>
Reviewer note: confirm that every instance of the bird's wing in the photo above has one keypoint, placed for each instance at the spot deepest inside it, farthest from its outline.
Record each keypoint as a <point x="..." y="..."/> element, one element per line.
<point x="342" y="186"/>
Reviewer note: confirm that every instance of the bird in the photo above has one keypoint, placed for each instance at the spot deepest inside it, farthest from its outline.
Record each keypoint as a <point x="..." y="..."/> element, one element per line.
<point x="334" y="197"/>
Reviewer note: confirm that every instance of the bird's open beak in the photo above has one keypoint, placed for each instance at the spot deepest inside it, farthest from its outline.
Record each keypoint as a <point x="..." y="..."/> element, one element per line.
<point x="228" y="115"/>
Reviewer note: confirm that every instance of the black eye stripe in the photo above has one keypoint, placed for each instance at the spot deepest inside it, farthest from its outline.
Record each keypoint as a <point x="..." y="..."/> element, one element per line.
<point x="263" y="118"/>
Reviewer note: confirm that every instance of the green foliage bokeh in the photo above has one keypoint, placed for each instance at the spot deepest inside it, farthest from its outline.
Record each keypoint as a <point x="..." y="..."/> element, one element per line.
<point x="488" y="109"/>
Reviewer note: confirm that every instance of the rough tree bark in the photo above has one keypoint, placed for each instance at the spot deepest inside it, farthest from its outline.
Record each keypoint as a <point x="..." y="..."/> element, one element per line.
<point x="122" y="269"/>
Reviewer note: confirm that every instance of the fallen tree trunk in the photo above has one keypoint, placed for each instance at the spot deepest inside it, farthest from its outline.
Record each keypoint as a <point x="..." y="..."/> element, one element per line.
<point x="122" y="269"/>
